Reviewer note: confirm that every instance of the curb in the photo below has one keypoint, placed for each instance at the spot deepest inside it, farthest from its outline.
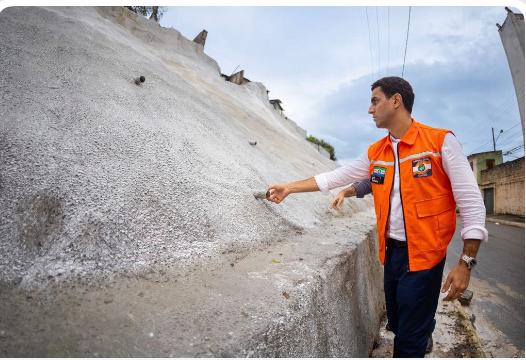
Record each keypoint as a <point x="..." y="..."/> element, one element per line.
<point x="506" y="222"/>
<point x="473" y="335"/>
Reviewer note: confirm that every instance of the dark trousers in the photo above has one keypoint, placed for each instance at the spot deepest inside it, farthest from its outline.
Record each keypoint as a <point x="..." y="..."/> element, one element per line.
<point x="411" y="300"/>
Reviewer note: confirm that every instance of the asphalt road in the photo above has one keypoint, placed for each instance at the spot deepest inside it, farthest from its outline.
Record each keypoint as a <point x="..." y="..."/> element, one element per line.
<point x="498" y="280"/>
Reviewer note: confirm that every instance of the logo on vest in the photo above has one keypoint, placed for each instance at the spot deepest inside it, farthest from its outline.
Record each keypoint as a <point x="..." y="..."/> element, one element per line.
<point x="378" y="176"/>
<point x="422" y="168"/>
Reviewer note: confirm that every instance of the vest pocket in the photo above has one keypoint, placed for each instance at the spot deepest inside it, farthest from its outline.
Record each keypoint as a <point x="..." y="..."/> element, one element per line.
<point x="434" y="206"/>
<point x="435" y="216"/>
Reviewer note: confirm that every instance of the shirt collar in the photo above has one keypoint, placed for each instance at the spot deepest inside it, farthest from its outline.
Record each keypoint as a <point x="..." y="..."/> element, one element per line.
<point x="410" y="135"/>
<point x="408" y="138"/>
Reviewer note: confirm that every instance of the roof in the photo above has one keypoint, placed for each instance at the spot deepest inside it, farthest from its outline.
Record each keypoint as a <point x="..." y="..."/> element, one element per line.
<point x="498" y="152"/>
<point x="505" y="164"/>
<point x="277" y="102"/>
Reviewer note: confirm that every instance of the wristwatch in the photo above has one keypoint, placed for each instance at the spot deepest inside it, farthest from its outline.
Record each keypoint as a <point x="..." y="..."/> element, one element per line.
<point x="470" y="261"/>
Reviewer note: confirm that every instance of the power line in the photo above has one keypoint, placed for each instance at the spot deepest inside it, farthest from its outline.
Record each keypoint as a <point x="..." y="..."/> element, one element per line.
<point x="511" y="136"/>
<point x="378" y="37"/>
<point x="511" y="144"/>
<point x="406" y="39"/>
<point x="490" y="141"/>
<point x="388" y="36"/>
<point x="370" y="47"/>
<point x="511" y="151"/>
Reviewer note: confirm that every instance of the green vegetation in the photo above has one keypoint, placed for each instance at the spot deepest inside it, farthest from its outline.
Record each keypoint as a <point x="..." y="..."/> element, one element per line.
<point x="151" y="12"/>
<point x="323" y="144"/>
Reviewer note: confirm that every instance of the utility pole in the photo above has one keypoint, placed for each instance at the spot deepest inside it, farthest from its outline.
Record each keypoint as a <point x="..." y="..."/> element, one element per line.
<point x="493" y="134"/>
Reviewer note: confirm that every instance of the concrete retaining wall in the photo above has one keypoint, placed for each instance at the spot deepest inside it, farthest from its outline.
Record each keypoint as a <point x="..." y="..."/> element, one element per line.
<point x="316" y="294"/>
<point x="342" y="316"/>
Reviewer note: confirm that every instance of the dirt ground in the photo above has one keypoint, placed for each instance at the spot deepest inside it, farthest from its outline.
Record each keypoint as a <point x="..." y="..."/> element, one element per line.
<point x="454" y="335"/>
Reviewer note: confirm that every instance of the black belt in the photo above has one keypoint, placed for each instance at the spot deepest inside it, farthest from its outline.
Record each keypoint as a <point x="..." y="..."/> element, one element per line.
<point x="396" y="243"/>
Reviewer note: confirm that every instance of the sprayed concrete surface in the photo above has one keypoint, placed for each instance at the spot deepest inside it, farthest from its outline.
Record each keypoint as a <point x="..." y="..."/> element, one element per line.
<point x="128" y="225"/>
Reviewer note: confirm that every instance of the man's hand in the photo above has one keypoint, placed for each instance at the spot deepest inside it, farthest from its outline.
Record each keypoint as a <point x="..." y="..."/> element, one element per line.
<point x="338" y="200"/>
<point x="456" y="282"/>
<point x="278" y="192"/>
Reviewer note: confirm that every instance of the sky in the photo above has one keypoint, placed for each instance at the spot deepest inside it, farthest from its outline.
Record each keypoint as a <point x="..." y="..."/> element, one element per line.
<point x="321" y="61"/>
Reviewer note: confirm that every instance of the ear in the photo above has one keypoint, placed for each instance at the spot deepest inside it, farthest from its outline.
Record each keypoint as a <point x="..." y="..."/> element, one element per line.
<point x="397" y="100"/>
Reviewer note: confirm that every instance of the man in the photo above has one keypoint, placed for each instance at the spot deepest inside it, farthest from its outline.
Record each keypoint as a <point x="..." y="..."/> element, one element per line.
<point x="419" y="175"/>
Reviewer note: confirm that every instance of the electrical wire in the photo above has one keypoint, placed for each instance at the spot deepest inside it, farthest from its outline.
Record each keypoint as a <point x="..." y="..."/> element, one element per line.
<point x="388" y="37"/>
<point x="378" y="37"/>
<point x="491" y="141"/>
<point x="406" y="39"/>
<point x="370" y="47"/>
<point x="511" y="151"/>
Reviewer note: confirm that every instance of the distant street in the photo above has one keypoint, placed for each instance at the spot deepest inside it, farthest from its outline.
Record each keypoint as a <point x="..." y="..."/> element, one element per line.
<point x="498" y="286"/>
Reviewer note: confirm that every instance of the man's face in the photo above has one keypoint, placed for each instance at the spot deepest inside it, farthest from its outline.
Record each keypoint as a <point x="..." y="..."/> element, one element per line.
<point x="382" y="108"/>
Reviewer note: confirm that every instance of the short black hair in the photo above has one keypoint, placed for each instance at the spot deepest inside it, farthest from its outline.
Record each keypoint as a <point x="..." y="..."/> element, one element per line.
<point x="393" y="84"/>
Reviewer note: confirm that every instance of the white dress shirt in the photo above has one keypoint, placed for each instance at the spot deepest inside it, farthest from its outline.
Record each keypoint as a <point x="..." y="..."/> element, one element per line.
<point x="465" y="189"/>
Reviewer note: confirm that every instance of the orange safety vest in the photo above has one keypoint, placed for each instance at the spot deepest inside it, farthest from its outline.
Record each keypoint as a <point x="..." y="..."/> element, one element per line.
<point x="427" y="199"/>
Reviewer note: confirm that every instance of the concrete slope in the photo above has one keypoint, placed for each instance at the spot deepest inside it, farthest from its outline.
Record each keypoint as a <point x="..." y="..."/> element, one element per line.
<point x="99" y="170"/>
<point x="105" y="182"/>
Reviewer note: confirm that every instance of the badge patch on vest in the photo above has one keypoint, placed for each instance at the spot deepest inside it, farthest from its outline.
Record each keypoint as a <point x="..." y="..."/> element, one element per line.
<point x="378" y="176"/>
<point x="422" y="168"/>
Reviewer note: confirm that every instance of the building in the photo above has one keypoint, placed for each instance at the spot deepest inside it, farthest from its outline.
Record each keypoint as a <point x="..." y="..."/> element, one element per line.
<point x="512" y="36"/>
<point x="502" y="187"/>
<point x="277" y="105"/>
<point x="237" y="78"/>
<point x="484" y="160"/>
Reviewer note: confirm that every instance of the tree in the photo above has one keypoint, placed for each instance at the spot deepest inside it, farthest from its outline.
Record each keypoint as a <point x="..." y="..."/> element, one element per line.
<point x="151" y="12"/>
<point x="323" y="144"/>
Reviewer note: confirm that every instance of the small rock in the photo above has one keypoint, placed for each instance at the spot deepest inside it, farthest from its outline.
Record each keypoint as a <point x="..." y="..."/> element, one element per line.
<point x="140" y="80"/>
<point x="286" y="295"/>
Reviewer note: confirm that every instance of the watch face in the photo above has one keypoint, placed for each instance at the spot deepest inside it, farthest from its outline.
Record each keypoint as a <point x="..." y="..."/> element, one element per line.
<point x="470" y="262"/>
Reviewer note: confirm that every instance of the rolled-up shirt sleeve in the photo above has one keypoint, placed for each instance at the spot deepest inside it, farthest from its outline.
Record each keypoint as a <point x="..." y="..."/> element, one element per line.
<point x="465" y="190"/>
<point x="355" y="170"/>
<point x="362" y="188"/>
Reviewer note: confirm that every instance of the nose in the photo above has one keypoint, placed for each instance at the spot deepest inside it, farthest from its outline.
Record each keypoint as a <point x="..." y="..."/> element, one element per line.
<point x="371" y="110"/>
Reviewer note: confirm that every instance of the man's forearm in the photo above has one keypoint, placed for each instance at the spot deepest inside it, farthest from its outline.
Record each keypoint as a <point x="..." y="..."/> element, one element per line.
<point x="471" y="247"/>
<point x="350" y="191"/>
<point x="307" y="185"/>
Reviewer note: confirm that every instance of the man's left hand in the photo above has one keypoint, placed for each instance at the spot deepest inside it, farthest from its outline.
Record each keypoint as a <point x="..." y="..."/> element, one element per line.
<point x="456" y="282"/>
